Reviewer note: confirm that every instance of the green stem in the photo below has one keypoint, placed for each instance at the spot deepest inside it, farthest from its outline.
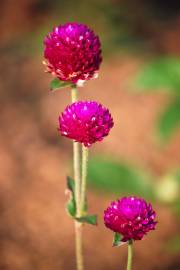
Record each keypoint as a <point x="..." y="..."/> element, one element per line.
<point x="79" y="252"/>
<point x="76" y="157"/>
<point x="130" y="255"/>
<point x="74" y="94"/>
<point x="84" y="179"/>
<point x="77" y="179"/>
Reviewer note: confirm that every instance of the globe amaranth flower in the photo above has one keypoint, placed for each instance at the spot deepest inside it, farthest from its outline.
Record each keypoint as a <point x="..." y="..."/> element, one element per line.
<point x="72" y="52"/>
<point x="132" y="217"/>
<point x="86" y="122"/>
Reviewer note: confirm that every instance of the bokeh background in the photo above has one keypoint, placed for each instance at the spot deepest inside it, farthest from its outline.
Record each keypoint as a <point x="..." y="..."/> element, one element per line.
<point x="139" y="81"/>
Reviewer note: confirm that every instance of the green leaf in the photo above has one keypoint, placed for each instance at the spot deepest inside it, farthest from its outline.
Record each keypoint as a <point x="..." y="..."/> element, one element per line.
<point x="71" y="205"/>
<point x="88" y="219"/>
<point x="114" y="177"/>
<point x="57" y="84"/>
<point x="161" y="73"/>
<point x="71" y="184"/>
<point x="117" y="239"/>
<point x="169" y="120"/>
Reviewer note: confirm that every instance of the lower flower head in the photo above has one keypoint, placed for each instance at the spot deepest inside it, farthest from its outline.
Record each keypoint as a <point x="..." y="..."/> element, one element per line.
<point x="86" y="122"/>
<point x="132" y="217"/>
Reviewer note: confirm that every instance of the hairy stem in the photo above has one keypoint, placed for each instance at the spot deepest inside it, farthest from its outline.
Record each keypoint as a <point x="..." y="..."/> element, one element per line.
<point x="84" y="179"/>
<point x="74" y="94"/>
<point x="77" y="179"/>
<point x="79" y="252"/>
<point x="130" y="255"/>
<point x="76" y="162"/>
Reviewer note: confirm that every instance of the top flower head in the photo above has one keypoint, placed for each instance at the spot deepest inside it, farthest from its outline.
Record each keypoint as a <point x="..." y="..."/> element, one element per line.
<point x="130" y="216"/>
<point x="72" y="52"/>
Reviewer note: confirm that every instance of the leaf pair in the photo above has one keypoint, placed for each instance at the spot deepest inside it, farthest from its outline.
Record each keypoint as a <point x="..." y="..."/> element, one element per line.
<point x="71" y="206"/>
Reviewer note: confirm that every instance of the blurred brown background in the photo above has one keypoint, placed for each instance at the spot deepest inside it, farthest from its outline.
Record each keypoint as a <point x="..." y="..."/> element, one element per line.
<point x="139" y="81"/>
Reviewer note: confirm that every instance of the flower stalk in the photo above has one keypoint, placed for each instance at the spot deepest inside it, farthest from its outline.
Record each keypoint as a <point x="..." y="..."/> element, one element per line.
<point x="76" y="161"/>
<point x="77" y="178"/>
<point x="78" y="246"/>
<point x="74" y="94"/>
<point x="130" y="254"/>
<point x="84" y="179"/>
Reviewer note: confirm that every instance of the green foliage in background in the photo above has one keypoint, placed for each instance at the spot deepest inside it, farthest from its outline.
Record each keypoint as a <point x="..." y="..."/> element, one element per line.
<point x="173" y="244"/>
<point x="169" y="120"/>
<point x="119" y="178"/>
<point x="163" y="73"/>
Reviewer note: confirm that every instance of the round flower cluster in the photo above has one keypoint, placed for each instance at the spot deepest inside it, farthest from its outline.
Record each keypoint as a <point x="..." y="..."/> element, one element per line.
<point x="86" y="122"/>
<point x="130" y="216"/>
<point x="72" y="52"/>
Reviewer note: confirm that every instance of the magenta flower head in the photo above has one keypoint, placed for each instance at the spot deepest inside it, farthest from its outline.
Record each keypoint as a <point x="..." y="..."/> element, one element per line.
<point x="86" y="122"/>
<point x="131" y="217"/>
<point x="72" y="52"/>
